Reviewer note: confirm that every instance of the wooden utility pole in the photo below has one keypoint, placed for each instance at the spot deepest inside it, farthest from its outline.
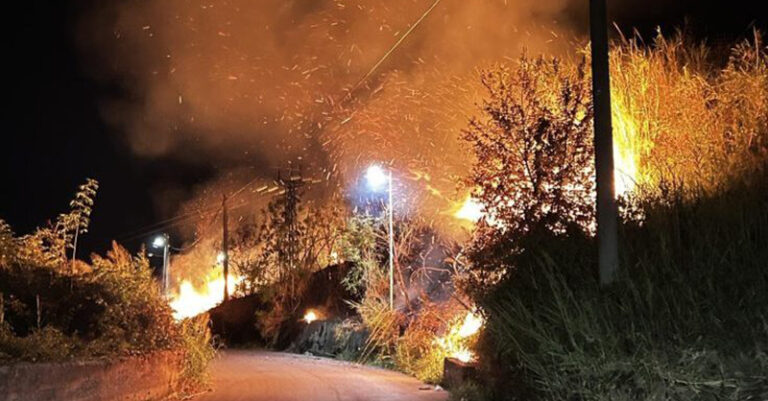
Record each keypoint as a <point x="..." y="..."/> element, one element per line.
<point x="225" y="246"/>
<point x="607" y="212"/>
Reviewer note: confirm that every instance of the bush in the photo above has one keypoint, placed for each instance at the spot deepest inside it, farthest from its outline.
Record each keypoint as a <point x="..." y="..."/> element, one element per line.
<point x="113" y="308"/>
<point x="52" y="308"/>
<point x="686" y="321"/>
<point x="46" y="344"/>
<point x="198" y="352"/>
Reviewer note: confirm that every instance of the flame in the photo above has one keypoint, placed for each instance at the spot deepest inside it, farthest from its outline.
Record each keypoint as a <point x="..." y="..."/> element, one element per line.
<point x="464" y="355"/>
<point x="456" y="341"/>
<point x="310" y="316"/>
<point x="625" y="137"/>
<point x="471" y="325"/>
<point x="191" y="301"/>
<point x="470" y="210"/>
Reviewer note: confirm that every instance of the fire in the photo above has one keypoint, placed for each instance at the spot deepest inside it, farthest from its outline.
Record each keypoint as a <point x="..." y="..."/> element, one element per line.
<point x="471" y="325"/>
<point x="470" y="210"/>
<point x="456" y="341"/>
<point x="625" y="138"/>
<point x="310" y="316"/>
<point x="464" y="355"/>
<point x="191" y="301"/>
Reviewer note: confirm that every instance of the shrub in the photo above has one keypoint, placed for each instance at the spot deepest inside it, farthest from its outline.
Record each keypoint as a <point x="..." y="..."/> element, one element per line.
<point x="52" y="308"/>
<point x="198" y="352"/>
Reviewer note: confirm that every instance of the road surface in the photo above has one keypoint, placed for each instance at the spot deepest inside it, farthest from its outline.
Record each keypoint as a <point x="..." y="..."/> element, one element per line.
<point x="271" y="376"/>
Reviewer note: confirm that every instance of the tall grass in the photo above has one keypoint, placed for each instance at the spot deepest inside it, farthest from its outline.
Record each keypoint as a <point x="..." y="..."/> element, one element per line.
<point x="688" y="319"/>
<point x="680" y="114"/>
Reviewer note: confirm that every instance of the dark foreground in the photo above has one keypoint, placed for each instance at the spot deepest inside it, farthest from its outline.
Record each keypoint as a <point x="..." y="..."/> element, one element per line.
<point x="270" y="376"/>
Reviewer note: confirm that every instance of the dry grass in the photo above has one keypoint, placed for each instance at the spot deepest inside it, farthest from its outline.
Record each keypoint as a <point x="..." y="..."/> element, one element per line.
<point x="678" y="116"/>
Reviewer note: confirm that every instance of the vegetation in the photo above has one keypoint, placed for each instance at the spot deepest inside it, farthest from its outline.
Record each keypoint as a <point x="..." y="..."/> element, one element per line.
<point x="56" y="309"/>
<point x="409" y="336"/>
<point x="687" y="318"/>
<point x="277" y="268"/>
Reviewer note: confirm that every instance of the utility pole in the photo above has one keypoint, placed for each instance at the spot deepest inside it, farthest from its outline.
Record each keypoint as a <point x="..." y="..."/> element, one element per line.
<point x="225" y="246"/>
<point x="166" y="265"/>
<point x="290" y="236"/>
<point x="607" y="212"/>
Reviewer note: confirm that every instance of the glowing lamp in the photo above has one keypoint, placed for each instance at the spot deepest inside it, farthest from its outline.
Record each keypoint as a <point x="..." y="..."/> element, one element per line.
<point x="159" y="241"/>
<point x="376" y="177"/>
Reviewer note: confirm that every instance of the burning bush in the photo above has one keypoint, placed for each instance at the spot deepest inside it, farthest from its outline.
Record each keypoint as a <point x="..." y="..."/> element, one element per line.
<point x="679" y="117"/>
<point x="438" y="331"/>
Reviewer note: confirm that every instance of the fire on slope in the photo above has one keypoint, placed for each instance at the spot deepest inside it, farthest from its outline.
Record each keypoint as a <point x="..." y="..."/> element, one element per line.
<point x="625" y="173"/>
<point x="191" y="300"/>
<point x="456" y="342"/>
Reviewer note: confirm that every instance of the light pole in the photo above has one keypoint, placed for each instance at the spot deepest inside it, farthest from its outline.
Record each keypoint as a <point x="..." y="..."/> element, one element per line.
<point x="162" y="241"/>
<point x="377" y="177"/>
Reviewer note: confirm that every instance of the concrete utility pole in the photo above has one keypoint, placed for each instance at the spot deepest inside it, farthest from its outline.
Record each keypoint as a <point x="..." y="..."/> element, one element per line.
<point x="225" y="246"/>
<point x="607" y="212"/>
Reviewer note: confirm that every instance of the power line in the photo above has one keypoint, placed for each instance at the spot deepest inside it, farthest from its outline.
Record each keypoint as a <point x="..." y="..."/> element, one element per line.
<point x="394" y="47"/>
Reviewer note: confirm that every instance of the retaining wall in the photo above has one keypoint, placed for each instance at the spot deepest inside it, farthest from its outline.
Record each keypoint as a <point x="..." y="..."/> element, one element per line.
<point x="138" y="378"/>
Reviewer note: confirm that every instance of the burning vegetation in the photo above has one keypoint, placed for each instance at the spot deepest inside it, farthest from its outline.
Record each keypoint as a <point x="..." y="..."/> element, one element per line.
<point x="477" y="242"/>
<point x="685" y="128"/>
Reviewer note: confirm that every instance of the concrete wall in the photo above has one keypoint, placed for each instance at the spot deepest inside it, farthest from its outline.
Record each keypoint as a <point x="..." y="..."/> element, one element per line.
<point x="127" y="379"/>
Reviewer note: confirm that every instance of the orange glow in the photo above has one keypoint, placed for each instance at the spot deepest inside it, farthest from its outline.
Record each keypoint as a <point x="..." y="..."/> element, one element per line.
<point x="456" y="342"/>
<point x="470" y="210"/>
<point x="191" y="301"/>
<point x="625" y="172"/>
<point x="310" y="316"/>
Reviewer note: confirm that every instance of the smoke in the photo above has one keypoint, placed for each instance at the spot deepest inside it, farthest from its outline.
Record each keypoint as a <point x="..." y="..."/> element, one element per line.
<point x="244" y="80"/>
<point x="248" y="86"/>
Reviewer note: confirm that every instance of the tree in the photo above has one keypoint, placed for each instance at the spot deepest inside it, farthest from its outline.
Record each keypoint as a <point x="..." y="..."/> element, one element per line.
<point x="257" y="248"/>
<point x="533" y="146"/>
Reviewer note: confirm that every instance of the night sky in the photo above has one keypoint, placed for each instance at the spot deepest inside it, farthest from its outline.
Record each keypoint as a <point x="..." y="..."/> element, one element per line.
<point x="55" y="136"/>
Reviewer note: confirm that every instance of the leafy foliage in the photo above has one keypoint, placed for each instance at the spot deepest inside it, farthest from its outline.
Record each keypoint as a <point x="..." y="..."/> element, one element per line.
<point x="260" y="254"/>
<point x="258" y="249"/>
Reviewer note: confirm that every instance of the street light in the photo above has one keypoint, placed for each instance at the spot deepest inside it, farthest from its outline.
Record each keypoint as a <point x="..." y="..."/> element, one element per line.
<point x="162" y="241"/>
<point x="376" y="178"/>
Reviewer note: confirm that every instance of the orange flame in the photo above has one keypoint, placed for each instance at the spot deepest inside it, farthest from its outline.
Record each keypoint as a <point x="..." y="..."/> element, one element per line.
<point x="310" y="316"/>
<point x="456" y="342"/>
<point x="191" y="301"/>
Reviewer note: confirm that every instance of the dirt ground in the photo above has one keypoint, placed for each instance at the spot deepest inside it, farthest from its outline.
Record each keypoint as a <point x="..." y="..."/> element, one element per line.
<point x="270" y="376"/>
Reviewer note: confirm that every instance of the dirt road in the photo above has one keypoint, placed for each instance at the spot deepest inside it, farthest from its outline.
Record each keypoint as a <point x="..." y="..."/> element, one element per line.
<point x="269" y="376"/>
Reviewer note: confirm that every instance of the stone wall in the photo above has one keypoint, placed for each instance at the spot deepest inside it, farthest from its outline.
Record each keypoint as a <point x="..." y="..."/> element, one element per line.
<point x="138" y="378"/>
